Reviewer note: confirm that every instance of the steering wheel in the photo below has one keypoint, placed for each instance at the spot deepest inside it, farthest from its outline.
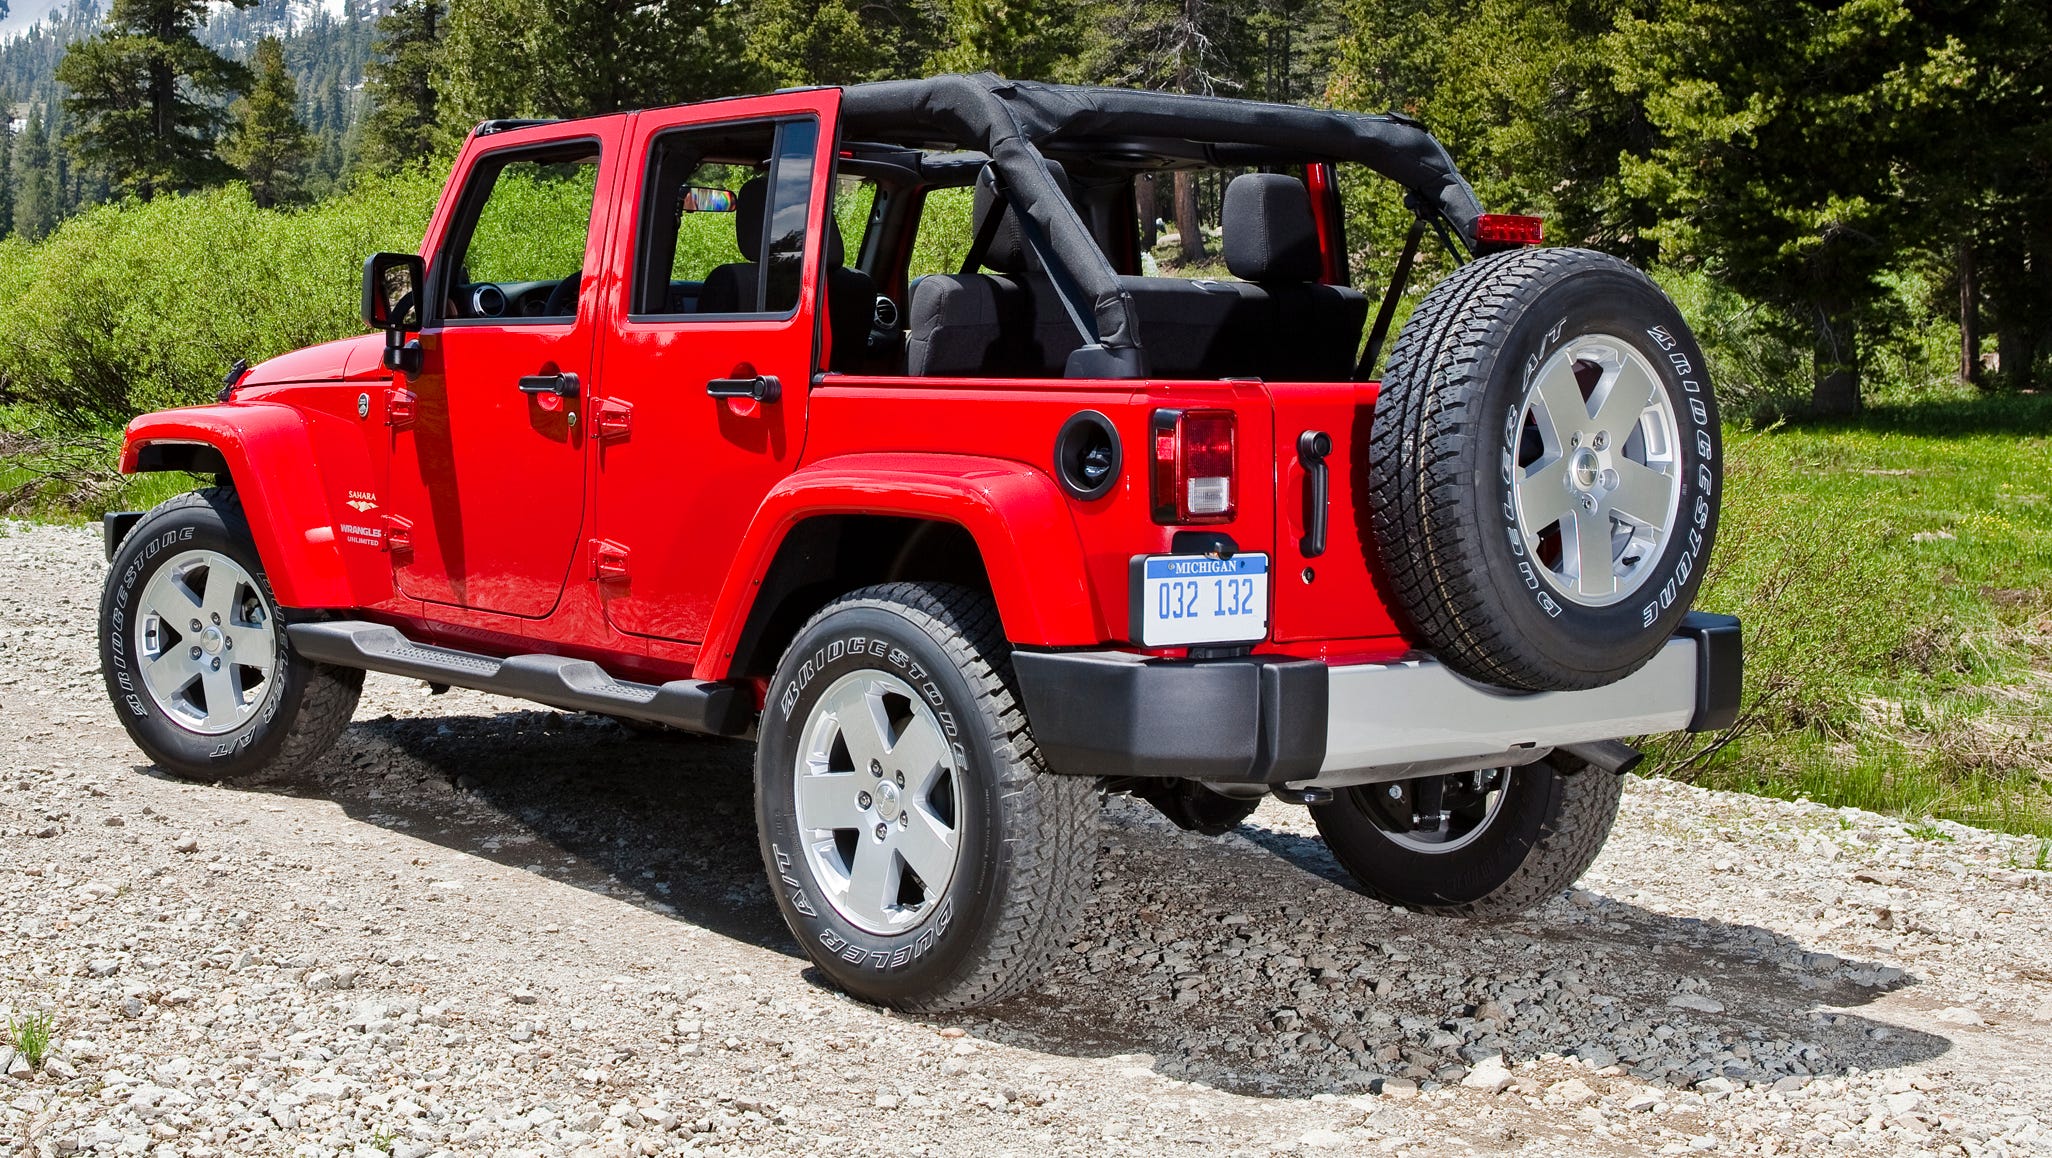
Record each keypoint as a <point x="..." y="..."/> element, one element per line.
<point x="563" y="299"/>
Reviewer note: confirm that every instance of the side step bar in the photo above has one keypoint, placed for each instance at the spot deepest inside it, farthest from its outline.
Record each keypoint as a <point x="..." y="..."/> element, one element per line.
<point x="573" y="684"/>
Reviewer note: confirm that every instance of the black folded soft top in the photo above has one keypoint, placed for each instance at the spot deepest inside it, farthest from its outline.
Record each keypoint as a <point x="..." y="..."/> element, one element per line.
<point x="1019" y="123"/>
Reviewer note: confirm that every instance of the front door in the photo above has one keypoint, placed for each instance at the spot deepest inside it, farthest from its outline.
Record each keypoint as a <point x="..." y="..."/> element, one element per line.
<point x="719" y="303"/>
<point x="488" y="476"/>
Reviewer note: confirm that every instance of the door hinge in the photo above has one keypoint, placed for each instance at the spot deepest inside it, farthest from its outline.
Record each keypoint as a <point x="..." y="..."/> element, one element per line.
<point x="615" y="418"/>
<point x="398" y="533"/>
<point x="399" y="408"/>
<point x="608" y="560"/>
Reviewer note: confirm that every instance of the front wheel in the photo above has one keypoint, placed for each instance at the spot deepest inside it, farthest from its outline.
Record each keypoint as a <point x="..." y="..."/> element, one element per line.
<point x="920" y="851"/>
<point x="1490" y="844"/>
<point x="195" y="658"/>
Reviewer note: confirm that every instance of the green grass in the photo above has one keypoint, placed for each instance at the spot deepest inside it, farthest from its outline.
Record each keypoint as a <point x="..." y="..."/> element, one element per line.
<point x="31" y="1037"/>
<point x="1895" y="575"/>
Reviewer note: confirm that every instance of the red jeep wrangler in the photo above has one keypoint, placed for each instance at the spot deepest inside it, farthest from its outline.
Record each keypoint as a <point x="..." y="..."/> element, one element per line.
<point x="858" y="421"/>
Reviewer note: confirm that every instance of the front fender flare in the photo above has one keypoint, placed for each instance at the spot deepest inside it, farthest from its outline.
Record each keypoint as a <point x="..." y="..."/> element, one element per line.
<point x="1016" y="514"/>
<point x="271" y="457"/>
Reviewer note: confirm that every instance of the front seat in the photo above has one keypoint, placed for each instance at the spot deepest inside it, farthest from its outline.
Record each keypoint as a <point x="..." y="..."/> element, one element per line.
<point x="850" y="293"/>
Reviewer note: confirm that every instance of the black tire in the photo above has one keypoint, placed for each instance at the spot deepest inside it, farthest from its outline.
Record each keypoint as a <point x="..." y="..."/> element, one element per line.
<point x="1553" y="819"/>
<point x="298" y="711"/>
<point x="1027" y="847"/>
<point x="1450" y="435"/>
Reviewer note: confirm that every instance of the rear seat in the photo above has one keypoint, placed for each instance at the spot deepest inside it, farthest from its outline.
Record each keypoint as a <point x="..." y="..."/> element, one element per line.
<point x="1289" y="327"/>
<point x="1009" y="324"/>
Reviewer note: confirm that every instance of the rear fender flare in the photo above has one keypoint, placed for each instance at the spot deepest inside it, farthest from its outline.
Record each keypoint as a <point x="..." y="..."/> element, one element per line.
<point x="1016" y="514"/>
<point x="270" y="457"/>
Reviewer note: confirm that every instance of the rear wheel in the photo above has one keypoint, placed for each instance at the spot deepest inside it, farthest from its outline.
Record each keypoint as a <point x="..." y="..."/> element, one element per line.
<point x="195" y="658"/>
<point x="919" y="850"/>
<point x="1473" y="844"/>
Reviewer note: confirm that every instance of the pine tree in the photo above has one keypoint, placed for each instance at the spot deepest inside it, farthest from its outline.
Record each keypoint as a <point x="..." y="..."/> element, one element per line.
<point x="1022" y="39"/>
<point x="269" y="144"/>
<point x="403" y="129"/>
<point x="35" y="186"/>
<point x="6" y="166"/>
<point x="146" y="95"/>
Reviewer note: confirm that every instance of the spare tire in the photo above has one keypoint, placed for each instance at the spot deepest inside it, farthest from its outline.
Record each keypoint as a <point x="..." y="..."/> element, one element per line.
<point x="1544" y="470"/>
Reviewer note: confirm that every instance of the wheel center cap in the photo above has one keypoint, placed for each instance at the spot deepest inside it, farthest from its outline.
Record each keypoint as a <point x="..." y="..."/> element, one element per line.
<point x="1585" y="468"/>
<point x="888" y="804"/>
<point x="210" y="640"/>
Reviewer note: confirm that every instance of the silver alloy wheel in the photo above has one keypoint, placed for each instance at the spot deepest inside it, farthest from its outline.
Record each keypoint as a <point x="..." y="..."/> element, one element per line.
<point x="1598" y="478"/>
<point x="878" y="801"/>
<point x="206" y="643"/>
<point x="1475" y="806"/>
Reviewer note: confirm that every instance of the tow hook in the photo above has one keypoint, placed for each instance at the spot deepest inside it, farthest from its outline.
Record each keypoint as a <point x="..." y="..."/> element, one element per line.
<point x="1305" y="796"/>
<point x="1609" y="755"/>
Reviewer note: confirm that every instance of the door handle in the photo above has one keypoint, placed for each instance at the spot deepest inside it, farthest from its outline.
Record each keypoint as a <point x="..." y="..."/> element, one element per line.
<point x="761" y="388"/>
<point x="1312" y="447"/>
<point x="560" y="385"/>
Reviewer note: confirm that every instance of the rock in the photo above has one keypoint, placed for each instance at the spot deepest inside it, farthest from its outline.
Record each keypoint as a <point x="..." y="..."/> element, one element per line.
<point x="114" y="822"/>
<point x="1696" y="1002"/>
<point x="1960" y="1015"/>
<point x="2043" y="1013"/>
<point x="1641" y="1102"/>
<point x="1322" y="1139"/>
<point x="60" y="1069"/>
<point x="1397" y="1088"/>
<point x="18" y="1067"/>
<point x="887" y="1101"/>
<point x="1573" y="1090"/>
<point x="102" y="967"/>
<point x="320" y="981"/>
<point x="185" y="844"/>
<point x="46" y="831"/>
<point x="1488" y="1076"/>
<point x="523" y="997"/>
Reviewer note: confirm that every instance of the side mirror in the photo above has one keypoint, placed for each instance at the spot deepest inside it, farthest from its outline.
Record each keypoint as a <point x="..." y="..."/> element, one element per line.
<point x="393" y="284"/>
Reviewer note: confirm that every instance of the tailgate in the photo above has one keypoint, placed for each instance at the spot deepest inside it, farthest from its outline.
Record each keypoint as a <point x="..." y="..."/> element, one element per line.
<point x="1330" y="595"/>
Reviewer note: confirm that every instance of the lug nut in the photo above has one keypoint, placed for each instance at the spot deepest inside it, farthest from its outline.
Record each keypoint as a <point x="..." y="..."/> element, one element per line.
<point x="217" y="663"/>
<point x="882" y="831"/>
<point x="228" y="644"/>
<point x="901" y="779"/>
<point x="862" y="800"/>
<point x="1589" y="503"/>
<point x="1575" y="439"/>
<point x="1601" y="440"/>
<point x="217" y="619"/>
<point x="195" y="653"/>
<point x="904" y="820"/>
<point x="875" y="769"/>
<point x="1396" y="792"/>
<point x="195" y="627"/>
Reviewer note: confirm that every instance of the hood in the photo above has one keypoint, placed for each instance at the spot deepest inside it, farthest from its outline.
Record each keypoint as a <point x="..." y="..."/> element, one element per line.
<point x="328" y="362"/>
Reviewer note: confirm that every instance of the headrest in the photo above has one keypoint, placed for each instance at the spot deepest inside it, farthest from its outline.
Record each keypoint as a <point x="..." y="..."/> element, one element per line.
<point x="1008" y="252"/>
<point x="749" y="204"/>
<point x="1270" y="235"/>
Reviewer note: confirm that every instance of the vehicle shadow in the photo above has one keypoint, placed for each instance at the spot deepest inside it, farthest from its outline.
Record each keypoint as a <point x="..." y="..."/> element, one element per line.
<point x="1240" y="927"/>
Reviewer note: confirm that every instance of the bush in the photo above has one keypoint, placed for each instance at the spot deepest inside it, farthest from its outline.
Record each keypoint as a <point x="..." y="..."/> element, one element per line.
<point x="134" y="307"/>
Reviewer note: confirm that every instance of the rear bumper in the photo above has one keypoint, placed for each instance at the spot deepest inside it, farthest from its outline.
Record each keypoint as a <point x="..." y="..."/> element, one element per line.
<point x="1272" y="720"/>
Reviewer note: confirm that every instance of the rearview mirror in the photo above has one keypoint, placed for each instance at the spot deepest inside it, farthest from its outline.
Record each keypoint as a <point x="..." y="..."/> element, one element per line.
<point x="392" y="284"/>
<point x="703" y="199"/>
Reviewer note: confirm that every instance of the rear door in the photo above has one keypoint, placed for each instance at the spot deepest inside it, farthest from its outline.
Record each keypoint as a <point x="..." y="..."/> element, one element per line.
<point x="720" y="251"/>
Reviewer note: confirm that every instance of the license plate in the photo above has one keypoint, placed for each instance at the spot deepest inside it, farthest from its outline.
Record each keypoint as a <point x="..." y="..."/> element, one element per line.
<point x="1185" y="599"/>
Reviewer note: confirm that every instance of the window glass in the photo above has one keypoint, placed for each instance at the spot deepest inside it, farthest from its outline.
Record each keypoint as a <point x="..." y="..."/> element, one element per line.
<point x="523" y="252"/>
<point x="723" y="229"/>
<point x="790" y="195"/>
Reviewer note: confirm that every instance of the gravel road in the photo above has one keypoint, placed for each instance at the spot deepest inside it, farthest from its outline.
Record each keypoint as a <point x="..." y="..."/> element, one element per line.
<point x="483" y="929"/>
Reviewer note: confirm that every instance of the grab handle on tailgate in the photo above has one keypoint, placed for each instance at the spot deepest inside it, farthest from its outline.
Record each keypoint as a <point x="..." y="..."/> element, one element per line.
<point x="1312" y="447"/>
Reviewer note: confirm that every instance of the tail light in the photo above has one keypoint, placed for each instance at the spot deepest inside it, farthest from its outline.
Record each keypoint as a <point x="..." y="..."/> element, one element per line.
<point x="1193" y="462"/>
<point x="1508" y="230"/>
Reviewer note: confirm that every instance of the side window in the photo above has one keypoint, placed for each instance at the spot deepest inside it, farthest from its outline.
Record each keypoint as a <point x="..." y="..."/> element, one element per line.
<point x="518" y="254"/>
<point x="724" y="220"/>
